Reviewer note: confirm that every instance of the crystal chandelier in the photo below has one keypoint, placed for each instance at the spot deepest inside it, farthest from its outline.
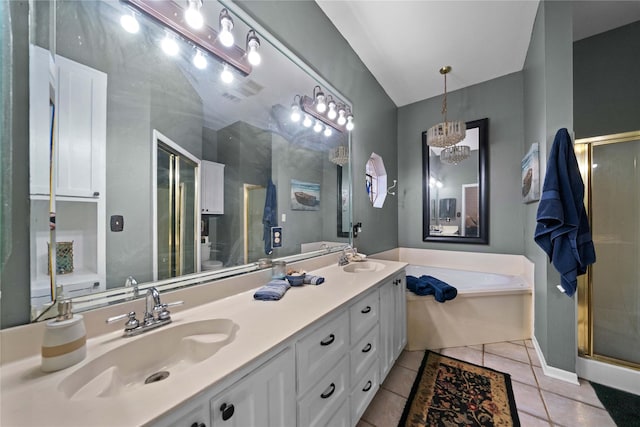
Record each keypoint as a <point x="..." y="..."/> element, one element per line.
<point x="454" y="155"/>
<point x="339" y="155"/>
<point x="447" y="133"/>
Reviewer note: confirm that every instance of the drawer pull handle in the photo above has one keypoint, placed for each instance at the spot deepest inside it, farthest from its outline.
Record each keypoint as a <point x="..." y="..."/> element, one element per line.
<point x="329" y="340"/>
<point x="365" y="310"/>
<point x="227" y="411"/>
<point x="197" y="424"/>
<point x="330" y="391"/>
<point x="367" y="348"/>
<point x="368" y="386"/>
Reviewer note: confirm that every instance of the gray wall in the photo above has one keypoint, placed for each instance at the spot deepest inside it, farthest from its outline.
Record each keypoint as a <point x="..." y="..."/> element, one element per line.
<point x="305" y="30"/>
<point x="606" y="82"/>
<point x="14" y="261"/>
<point x="501" y="101"/>
<point x="549" y="107"/>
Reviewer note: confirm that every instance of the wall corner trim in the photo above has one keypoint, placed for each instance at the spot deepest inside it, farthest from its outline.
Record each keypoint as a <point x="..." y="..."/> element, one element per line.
<point x="550" y="371"/>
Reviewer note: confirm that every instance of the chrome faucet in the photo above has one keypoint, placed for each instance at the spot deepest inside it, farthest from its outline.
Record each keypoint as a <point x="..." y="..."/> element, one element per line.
<point x="132" y="282"/>
<point x="344" y="258"/>
<point x="156" y="314"/>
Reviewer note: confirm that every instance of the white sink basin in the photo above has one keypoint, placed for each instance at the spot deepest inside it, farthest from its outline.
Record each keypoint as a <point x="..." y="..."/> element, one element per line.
<point x="363" y="267"/>
<point x="149" y="357"/>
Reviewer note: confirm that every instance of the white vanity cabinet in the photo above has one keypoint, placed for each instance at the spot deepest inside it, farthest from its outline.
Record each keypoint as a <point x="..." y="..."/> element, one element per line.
<point x="263" y="398"/>
<point x="393" y="321"/>
<point x="211" y="187"/>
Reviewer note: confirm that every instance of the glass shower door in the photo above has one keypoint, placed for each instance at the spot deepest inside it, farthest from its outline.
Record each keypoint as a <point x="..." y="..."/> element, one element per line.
<point x="614" y="294"/>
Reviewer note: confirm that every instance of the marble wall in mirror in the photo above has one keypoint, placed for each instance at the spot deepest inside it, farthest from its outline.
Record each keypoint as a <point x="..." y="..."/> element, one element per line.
<point x="455" y="191"/>
<point x="141" y="133"/>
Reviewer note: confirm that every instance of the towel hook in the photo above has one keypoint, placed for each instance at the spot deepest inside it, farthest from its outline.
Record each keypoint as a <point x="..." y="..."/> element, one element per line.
<point x="395" y="183"/>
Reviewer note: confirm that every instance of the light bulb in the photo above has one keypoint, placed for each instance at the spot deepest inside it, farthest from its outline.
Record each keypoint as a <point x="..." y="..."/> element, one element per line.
<point x="349" y="122"/>
<point x="170" y="46"/>
<point x="327" y="131"/>
<point x="226" y="75"/>
<point x="193" y="16"/>
<point x="130" y="23"/>
<point x="332" y="110"/>
<point x="341" y="117"/>
<point x="317" y="127"/>
<point x="253" y="44"/>
<point x="200" y="61"/>
<point x="321" y="107"/>
<point x="439" y="184"/>
<point x="226" y="25"/>
<point x="295" y="113"/>
<point x="307" y="121"/>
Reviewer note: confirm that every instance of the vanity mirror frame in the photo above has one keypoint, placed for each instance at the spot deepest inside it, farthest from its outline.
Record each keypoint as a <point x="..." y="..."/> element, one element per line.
<point x="122" y="294"/>
<point x="483" y="190"/>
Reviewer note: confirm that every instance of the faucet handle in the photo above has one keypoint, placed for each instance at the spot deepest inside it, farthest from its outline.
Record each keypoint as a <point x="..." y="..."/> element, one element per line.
<point x="165" y="314"/>
<point x="132" y="322"/>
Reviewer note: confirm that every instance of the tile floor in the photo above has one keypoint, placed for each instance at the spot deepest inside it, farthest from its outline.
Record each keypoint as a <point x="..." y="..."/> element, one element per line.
<point x="541" y="400"/>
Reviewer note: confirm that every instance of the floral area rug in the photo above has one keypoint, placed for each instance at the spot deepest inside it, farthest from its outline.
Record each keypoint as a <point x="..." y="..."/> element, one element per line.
<point x="449" y="392"/>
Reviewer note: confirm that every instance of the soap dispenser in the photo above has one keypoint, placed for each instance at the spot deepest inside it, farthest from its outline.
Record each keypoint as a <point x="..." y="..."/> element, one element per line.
<point x="65" y="339"/>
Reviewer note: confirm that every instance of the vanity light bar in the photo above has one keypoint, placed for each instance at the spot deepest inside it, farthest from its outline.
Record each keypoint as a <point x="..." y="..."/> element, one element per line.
<point x="169" y="14"/>
<point x="307" y="104"/>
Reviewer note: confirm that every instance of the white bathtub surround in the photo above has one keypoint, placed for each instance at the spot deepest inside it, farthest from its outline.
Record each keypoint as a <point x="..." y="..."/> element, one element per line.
<point x="492" y="307"/>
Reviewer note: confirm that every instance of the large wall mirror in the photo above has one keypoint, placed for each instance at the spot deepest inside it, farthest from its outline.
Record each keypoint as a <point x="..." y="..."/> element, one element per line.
<point x="455" y="189"/>
<point x="171" y="164"/>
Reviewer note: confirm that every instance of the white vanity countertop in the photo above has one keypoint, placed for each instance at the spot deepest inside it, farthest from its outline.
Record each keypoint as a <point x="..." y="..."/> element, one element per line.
<point x="31" y="397"/>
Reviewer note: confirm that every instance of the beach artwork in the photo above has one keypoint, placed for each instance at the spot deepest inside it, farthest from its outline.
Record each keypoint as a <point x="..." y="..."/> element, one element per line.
<point x="531" y="175"/>
<point x="305" y="196"/>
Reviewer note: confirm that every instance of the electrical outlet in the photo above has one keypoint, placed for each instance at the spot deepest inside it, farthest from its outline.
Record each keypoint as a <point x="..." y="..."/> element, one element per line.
<point x="276" y="237"/>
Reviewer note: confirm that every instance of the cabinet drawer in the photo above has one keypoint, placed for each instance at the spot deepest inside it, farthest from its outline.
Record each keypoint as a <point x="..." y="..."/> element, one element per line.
<point x="341" y="418"/>
<point x="363" y="391"/>
<point x="320" y="350"/>
<point x="323" y="400"/>
<point x="363" y="353"/>
<point x="363" y="315"/>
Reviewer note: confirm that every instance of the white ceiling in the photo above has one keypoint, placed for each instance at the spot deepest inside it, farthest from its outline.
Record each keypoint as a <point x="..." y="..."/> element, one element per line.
<point x="405" y="43"/>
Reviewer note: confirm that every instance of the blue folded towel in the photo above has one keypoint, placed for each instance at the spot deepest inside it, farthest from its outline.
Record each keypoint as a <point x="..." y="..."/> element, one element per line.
<point x="272" y="291"/>
<point x="429" y="285"/>
<point x="313" y="280"/>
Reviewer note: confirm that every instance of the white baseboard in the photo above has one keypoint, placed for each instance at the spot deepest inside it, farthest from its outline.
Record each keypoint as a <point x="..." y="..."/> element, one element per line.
<point x="610" y="375"/>
<point x="550" y="371"/>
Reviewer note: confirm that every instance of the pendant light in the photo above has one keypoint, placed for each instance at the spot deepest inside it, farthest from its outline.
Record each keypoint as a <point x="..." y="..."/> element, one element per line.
<point x="446" y="133"/>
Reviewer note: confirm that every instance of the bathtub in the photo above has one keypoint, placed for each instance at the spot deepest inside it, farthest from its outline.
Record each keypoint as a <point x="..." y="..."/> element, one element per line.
<point x="489" y="308"/>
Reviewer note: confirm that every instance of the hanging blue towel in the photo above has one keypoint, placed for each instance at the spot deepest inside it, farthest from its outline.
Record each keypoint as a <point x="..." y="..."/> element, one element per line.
<point x="563" y="227"/>
<point x="272" y="291"/>
<point x="269" y="216"/>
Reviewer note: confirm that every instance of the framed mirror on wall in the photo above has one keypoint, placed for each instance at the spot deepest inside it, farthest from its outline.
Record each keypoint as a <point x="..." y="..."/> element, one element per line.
<point x="115" y="87"/>
<point x="455" y="189"/>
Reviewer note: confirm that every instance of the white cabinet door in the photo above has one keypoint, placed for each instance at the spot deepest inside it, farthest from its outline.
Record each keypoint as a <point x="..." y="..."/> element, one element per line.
<point x="400" y="315"/>
<point x="265" y="397"/>
<point x="211" y="187"/>
<point x="81" y="107"/>
<point x="393" y="322"/>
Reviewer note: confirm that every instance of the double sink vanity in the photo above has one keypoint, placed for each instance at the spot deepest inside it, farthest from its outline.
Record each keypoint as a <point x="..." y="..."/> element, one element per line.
<point x="315" y="357"/>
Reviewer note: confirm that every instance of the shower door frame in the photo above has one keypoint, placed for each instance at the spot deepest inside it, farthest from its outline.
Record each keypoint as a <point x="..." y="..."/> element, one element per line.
<point x="584" y="154"/>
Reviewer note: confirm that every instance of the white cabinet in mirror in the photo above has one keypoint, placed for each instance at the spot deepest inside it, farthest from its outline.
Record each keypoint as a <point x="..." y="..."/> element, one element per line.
<point x="116" y="89"/>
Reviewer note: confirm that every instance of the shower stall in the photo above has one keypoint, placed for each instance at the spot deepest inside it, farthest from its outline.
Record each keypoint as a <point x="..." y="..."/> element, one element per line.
<point x="609" y="294"/>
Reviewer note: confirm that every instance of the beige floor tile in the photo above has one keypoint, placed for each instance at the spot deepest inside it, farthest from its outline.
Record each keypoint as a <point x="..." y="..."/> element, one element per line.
<point x="363" y="423"/>
<point x="463" y="353"/>
<point x="527" y="420"/>
<point x="400" y="380"/>
<point x="410" y="359"/>
<point x="385" y="409"/>
<point x="529" y="343"/>
<point x="519" y="371"/>
<point x="528" y="399"/>
<point x="583" y="392"/>
<point x="533" y="355"/>
<point x="570" y="413"/>
<point x="507" y="349"/>
<point x="476" y="347"/>
<point x="519" y="342"/>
